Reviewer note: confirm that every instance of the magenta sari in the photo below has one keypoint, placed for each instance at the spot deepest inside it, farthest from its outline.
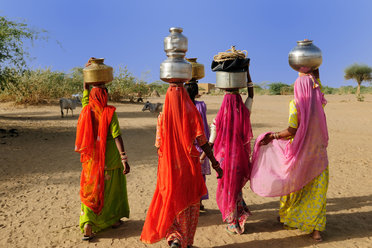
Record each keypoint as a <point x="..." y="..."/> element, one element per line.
<point x="285" y="166"/>
<point x="232" y="150"/>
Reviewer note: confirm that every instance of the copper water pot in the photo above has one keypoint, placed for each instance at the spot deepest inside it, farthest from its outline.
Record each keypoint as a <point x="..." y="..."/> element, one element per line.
<point x="98" y="72"/>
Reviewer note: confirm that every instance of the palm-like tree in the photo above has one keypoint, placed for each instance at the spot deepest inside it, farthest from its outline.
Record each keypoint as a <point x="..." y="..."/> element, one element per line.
<point x="359" y="73"/>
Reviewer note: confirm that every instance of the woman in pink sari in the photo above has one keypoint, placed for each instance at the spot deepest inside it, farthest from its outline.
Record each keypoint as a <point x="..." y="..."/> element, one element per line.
<point x="293" y="163"/>
<point x="231" y="134"/>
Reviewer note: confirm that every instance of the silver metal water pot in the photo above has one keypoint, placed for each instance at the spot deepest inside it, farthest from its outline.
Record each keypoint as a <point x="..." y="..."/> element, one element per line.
<point x="305" y="57"/>
<point x="175" y="69"/>
<point x="231" y="80"/>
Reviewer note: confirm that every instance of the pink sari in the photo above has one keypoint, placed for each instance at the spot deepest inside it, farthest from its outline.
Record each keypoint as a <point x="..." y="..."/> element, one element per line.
<point x="232" y="150"/>
<point x="282" y="166"/>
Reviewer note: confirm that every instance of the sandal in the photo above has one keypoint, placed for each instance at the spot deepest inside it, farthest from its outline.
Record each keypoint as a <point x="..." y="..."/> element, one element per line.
<point x="229" y="231"/>
<point x="117" y="224"/>
<point x="88" y="229"/>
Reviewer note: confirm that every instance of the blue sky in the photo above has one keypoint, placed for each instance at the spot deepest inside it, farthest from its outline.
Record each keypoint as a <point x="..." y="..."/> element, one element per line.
<point x="131" y="33"/>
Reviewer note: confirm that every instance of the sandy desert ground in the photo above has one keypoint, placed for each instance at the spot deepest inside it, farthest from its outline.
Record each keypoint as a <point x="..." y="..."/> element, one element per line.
<point x="39" y="179"/>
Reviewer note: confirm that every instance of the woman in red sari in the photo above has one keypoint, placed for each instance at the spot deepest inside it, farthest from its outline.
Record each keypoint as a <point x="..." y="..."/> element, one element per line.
<point x="174" y="210"/>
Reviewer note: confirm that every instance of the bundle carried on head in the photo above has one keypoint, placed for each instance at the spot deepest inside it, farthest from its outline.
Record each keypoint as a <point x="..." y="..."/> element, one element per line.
<point x="230" y="54"/>
<point x="231" y="60"/>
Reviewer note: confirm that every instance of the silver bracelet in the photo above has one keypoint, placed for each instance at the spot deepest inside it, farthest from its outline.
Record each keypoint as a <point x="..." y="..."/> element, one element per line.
<point x="250" y="85"/>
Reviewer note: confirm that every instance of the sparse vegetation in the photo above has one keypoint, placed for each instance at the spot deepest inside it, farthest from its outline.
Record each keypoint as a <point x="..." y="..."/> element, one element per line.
<point x="280" y="89"/>
<point x="359" y="73"/>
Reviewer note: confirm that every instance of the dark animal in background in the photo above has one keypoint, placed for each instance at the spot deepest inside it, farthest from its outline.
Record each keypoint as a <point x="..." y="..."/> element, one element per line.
<point x="69" y="103"/>
<point x="153" y="107"/>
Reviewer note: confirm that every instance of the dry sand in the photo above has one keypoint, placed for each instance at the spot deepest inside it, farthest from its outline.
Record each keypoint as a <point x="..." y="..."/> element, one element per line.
<point x="39" y="179"/>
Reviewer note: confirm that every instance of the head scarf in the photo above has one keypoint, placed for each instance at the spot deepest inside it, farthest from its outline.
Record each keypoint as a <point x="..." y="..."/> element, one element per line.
<point x="92" y="128"/>
<point x="179" y="182"/>
<point x="285" y="166"/>
<point x="232" y="150"/>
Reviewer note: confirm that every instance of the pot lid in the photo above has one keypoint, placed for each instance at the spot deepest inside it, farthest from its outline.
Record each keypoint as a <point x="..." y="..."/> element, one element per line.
<point x="305" y="42"/>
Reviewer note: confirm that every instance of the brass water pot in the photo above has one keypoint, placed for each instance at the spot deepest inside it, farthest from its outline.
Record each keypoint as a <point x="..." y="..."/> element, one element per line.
<point x="197" y="69"/>
<point x="98" y="72"/>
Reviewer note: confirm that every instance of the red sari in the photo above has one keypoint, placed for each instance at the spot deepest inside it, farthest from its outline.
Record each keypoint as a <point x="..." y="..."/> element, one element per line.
<point x="180" y="183"/>
<point x="91" y="134"/>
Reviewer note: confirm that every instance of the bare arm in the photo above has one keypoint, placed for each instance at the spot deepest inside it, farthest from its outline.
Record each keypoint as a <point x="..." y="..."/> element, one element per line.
<point x="207" y="150"/>
<point x="249" y="86"/>
<point x="204" y="155"/>
<point x="289" y="132"/>
<point x="124" y="158"/>
<point x="86" y="86"/>
<point x="249" y="101"/>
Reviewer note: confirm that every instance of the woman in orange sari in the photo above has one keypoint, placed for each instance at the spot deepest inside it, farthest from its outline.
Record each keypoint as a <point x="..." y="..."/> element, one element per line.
<point x="174" y="211"/>
<point x="103" y="189"/>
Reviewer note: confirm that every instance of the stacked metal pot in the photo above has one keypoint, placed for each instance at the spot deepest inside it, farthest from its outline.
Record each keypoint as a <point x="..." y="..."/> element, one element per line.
<point x="175" y="69"/>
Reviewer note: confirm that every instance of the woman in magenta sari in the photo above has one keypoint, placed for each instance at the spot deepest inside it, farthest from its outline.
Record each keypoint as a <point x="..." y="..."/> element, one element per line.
<point x="293" y="163"/>
<point x="231" y="134"/>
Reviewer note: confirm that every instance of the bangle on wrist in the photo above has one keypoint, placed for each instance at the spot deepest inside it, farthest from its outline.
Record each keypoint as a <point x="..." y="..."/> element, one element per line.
<point x="276" y="135"/>
<point x="250" y="84"/>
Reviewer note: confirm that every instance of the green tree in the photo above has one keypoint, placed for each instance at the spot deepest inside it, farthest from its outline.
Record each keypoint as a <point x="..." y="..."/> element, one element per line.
<point x="12" y="36"/>
<point x="359" y="73"/>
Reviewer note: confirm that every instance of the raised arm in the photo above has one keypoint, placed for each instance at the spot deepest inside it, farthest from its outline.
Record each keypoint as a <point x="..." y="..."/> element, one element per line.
<point x="249" y="100"/>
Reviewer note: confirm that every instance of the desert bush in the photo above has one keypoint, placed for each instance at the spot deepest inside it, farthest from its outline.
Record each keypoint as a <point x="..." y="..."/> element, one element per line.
<point x="346" y="90"/>
<point x="125" y="84"/>
<point x="258" y="90"/>
<point x="329" y="90"/>
<point x="33" y="86"/>
<point x="159" y="86"/>
<point x="280" y="89"/>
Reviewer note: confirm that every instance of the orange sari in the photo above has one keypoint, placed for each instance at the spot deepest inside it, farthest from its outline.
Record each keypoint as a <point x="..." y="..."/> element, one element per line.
<point x="92" y="128"/>
<point x="180" y="183"/>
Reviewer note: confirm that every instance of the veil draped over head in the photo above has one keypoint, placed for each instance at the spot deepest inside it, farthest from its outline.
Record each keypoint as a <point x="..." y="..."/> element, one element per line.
<point x="232" y="150"/>
<point x="92" y="128"/>
<point x="285" y="166"/>
<point x="179" y="182"/>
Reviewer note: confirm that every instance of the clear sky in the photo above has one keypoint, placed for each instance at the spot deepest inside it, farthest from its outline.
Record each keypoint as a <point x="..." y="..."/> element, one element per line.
<point x="131" y="33"/>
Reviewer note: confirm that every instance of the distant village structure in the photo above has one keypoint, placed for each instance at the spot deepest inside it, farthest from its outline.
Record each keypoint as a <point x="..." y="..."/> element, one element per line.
<point x="206" y="88"/>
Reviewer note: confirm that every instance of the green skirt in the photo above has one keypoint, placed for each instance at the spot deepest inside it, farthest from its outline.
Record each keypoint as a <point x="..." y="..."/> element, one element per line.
<point x="115" y="203"/>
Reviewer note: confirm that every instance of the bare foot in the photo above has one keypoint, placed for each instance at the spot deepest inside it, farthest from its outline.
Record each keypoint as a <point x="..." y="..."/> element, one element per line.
<point x="201" y="206"/>
<point x="316" y="236"/>
<point x="117" y="224"/>
<point x="88" y="234"/>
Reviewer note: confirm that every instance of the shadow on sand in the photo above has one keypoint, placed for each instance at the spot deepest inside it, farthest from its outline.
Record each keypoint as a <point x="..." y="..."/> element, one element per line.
<point x="340" y="226"/>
